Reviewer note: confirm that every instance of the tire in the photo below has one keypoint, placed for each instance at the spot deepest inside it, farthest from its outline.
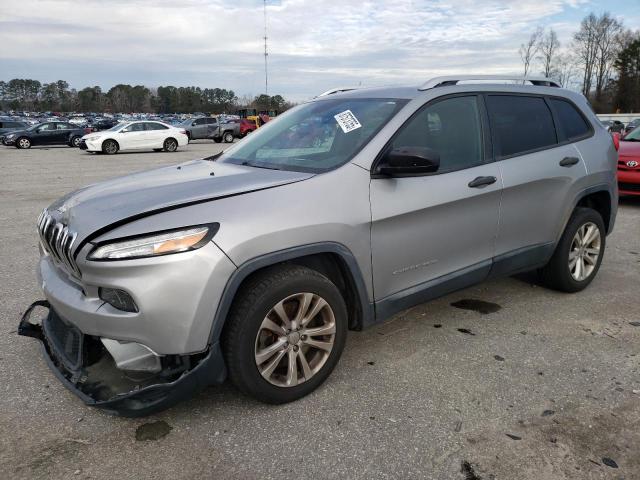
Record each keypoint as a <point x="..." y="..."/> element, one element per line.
<point x="217" y="140"/>
<point x="23" y="142"/>
<point x="170" y="145"/>
<point x="575" y="274"/>
<point x="110" y="147"/>
<point x="245" y="336"/>
<point x="75" y="141"/>
<point x="228" y="137"/>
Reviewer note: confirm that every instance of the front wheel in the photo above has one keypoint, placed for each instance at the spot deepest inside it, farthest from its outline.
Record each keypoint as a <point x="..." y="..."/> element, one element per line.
<point x="170" y="145"/>
<point x="23" y="142"/>
<point x="110" y="147"/>
<point x="285" y="334"/>
<point x="579" y="252"/>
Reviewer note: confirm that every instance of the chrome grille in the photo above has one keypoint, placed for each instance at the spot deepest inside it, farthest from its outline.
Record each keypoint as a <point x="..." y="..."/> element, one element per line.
<point x="58" y="241"/>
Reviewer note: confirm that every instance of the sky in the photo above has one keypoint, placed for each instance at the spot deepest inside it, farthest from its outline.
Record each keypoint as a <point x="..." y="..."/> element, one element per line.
<point x="314" y="45"/>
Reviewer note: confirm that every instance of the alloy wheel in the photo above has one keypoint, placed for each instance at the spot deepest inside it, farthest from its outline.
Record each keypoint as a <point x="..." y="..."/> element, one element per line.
<point x="295" y="339"/>
<point x="24" y="143"/>
<point x="584" y="251"/>
<point x="170" y="145"/>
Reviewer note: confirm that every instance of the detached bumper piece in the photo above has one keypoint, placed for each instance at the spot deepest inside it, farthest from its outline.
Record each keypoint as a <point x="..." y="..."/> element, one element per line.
<point x="84" y="366"/>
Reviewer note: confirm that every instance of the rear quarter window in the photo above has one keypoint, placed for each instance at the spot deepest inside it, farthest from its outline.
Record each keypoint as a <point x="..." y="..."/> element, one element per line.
<point x="520" y="124"/>
<point x="571" y="123"/>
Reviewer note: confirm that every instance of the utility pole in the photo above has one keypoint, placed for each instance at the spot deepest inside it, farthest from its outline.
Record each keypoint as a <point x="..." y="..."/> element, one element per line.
<point x="266" y="74"/>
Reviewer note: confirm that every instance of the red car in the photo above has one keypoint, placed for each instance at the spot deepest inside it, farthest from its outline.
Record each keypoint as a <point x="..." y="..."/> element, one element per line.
<point x="247" y="126"/>
<point x="629" y="164"/>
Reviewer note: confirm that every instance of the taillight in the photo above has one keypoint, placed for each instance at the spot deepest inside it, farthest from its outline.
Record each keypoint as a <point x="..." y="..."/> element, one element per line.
<point x="616" y="140"/>
<point x="184" y="132"/>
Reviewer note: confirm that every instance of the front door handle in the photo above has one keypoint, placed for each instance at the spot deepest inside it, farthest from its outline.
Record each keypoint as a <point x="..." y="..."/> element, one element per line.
<point x="569" y="161"/>
<point x="480" y="182"/>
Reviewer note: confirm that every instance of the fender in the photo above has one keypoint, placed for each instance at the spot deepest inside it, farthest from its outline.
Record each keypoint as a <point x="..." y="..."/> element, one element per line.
<point x="601" y="187"/>
<point x="255" y="264"/>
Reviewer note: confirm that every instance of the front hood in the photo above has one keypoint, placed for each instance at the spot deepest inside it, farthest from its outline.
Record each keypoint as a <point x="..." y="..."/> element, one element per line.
<point x="629" y="149"/>
<point x="113" y="202"/>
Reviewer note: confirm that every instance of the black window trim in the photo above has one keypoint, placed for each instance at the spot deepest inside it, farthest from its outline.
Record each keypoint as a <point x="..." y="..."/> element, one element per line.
<point x="487" y="152"/>
<point x="554" y="117"/>
<point x="591" y="131"/>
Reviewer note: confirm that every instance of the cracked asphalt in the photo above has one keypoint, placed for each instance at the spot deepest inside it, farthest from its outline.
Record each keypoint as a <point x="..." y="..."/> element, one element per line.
<point x="545" y="387"/>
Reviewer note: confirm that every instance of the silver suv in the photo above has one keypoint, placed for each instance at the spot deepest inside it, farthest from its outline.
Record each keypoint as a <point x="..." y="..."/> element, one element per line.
<point x="253" y="264"/>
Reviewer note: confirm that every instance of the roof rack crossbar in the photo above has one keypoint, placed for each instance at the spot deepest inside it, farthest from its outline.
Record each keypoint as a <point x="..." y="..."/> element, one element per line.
<point x="453" y="80"/>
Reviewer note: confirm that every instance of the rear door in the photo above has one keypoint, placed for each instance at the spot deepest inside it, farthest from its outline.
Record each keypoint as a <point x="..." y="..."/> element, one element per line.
<point x="155" y="135"/>
<point x="63" y="130"/>
<point x="540" y="170"/>
<point x="441" y="226"/>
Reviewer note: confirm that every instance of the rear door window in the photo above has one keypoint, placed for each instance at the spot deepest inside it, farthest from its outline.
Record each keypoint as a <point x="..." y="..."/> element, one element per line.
<point x="520" y="124"/>
<point x="571" y="123"/>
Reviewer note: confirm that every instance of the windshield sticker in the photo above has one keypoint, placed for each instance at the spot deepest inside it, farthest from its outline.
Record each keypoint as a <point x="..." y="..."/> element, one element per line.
<point x="347" y="121"/>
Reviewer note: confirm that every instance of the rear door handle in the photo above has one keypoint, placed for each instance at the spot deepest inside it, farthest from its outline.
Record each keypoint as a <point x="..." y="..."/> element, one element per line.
<point x="480" y="182"/>
<point x="569" y="161"/>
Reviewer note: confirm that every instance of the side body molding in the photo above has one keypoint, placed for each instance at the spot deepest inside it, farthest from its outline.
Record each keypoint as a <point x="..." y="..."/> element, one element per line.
<point x="255" y="264"/>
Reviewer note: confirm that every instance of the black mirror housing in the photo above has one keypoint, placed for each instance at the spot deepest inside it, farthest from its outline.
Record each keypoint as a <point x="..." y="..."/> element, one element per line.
<point x="409" y="161"/>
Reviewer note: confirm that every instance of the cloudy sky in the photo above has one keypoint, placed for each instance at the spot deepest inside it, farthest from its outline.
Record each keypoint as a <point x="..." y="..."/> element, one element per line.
<point x="313" y="44"/>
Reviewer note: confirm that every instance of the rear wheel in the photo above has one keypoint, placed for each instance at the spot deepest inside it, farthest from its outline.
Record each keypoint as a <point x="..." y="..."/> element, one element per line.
<point x="110" y="147"/>
<point x="579" y="252"/>
<point x="75" y="141"/>
<point x="23" y="142"/>
<point x="285" y="334"/>
<point x="170" y="145"/>
<point x="228" y="137"/>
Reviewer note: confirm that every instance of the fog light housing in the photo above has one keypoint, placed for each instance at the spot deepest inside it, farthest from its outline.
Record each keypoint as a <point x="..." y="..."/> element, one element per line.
<point x="118" y="299"/>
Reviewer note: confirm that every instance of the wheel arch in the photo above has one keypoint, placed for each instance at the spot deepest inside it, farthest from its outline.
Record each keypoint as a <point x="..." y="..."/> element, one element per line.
<point x="599" y="198"/>
<point x="333" y="260"/>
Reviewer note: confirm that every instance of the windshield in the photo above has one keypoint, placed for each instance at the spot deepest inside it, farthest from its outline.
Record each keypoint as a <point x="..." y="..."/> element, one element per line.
<point x="315" y="137"/>
<point x="117" y="127"/>
<point x="632" y="136"/>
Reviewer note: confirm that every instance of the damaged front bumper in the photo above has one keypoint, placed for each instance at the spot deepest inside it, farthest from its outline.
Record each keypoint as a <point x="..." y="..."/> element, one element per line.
<point x="85" y="367"/>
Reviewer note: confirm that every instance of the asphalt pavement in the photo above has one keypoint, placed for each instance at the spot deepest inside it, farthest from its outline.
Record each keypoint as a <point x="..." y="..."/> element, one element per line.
<point x="514" y="382"/>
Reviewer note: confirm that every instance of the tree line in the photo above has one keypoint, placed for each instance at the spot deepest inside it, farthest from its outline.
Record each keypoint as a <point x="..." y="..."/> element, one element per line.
<point x="602" y="61"/>
<point x="32" y="95"/>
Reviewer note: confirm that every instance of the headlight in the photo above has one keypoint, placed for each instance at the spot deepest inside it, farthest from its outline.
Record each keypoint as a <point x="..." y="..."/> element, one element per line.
<point x="91" y="139"/>
<point x="164" y="243"/>
<point x="11" y="135"/>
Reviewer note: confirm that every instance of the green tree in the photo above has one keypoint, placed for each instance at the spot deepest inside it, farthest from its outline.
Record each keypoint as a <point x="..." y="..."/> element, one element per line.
<point x="627" y="65"/>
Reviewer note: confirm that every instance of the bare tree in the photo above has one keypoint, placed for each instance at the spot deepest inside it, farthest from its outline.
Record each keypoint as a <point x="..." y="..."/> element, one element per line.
<point x="565" y="70"/>
<point x="549" y="45"/>
<point x="585" y="43"/>
<point x="609" y="32"/>
<point x="529" y="50"/>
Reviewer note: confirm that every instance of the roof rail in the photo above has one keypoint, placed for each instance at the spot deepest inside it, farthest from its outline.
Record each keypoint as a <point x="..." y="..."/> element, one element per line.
<point x="454" y="79"/>
<point x="336" y="90"/>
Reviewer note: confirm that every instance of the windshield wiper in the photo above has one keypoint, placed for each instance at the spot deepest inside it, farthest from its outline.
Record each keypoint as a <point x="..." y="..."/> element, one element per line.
<point x="249" y="164"/>
<point x="213" y="158"/>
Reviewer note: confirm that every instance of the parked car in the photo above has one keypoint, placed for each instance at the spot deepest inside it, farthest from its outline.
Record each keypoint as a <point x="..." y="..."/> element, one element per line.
<point x="198" y="128"/>
<point x="615" y="126"/>
<point x="138" y="135"/>
<point x="252" y="264"/>
<point x="629" y="163"/>
<point x="8" y="125"/>
<point x="102" y="124"/>
<point x="50" y="133"/>
<point x="247" y="126"/>
<point x="631" y="126"/>
<point x="225" y="131"/>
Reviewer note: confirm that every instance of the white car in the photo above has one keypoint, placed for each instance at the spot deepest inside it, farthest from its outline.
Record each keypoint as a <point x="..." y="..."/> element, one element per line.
<point x="139" y="135"/>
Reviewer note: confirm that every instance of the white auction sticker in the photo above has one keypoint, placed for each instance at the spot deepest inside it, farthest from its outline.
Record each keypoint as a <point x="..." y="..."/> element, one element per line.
<point x="347" y="121"/>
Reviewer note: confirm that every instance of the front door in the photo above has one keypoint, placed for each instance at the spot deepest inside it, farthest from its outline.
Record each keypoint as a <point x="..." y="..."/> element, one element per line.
<point x="439" y="227"/>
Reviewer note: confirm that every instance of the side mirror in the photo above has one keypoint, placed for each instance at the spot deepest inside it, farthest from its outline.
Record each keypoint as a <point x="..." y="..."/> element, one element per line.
<point x="409" y="161"/>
